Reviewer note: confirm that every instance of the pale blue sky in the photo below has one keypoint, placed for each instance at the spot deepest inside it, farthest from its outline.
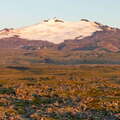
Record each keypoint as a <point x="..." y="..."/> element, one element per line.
<point x="18" y="13"/>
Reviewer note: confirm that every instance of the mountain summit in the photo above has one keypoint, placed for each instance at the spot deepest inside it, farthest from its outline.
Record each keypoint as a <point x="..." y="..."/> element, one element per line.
<point x="54" y="30"/>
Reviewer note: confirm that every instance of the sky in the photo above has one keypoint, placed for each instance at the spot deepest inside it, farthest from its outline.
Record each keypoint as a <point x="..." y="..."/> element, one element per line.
<point x="19" y="13"/>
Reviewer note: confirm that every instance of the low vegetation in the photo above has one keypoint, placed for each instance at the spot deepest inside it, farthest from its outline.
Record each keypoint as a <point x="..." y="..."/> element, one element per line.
<point x="53" y="92"/>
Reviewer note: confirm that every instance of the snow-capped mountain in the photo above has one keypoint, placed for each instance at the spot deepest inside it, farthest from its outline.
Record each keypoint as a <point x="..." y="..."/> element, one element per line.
<point x="60" y="34"/>
<point x="54" y="30"/>
<point x="60" y="42"/>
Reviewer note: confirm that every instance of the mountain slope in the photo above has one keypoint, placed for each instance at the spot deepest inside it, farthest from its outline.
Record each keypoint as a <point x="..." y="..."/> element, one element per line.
<point x="107" y="39"/>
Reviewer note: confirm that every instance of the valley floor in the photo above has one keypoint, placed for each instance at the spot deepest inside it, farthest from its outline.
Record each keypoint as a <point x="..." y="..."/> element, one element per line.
<point x="56" y="92"/>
